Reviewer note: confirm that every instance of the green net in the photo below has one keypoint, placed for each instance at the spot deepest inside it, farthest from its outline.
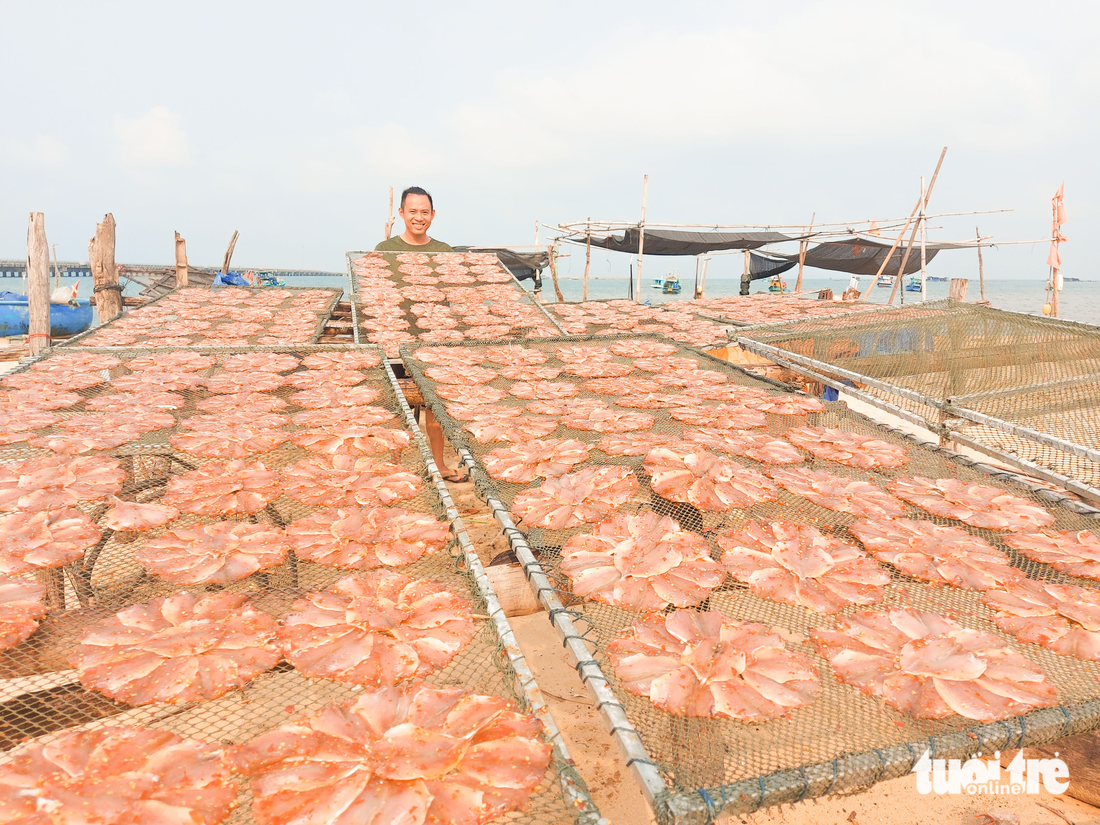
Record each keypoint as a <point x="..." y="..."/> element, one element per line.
<point x="1026" y="386"/>
<point x="845" y="739"/>
<point x="40" y="693"/>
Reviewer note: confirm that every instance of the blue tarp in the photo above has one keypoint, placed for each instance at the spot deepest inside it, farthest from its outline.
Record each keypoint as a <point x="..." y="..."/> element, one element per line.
<point x="231" y="279"/>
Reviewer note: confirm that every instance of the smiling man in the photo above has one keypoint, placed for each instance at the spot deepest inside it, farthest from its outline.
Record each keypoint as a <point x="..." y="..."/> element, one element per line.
<point x="418" y="212"/>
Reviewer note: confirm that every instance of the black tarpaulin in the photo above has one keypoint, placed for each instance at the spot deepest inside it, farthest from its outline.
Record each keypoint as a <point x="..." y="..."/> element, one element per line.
<point x="524" y="265"/>
<point x="765" y="266"/>
<point x="859" y="257"/>
<point x="683" y="242"/>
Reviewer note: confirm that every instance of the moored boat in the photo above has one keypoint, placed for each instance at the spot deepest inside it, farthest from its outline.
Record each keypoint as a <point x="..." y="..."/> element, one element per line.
<point x="65" y="319"/>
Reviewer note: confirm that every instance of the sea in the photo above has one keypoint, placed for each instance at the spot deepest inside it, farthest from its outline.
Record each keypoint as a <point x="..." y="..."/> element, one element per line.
<point x="1078" y="301"/>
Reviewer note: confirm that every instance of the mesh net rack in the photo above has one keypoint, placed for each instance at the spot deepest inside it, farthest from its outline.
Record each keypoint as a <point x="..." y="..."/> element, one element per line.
<point x="694" y="770"/>
<point x="41" y="696"/>
<point x="1023" y="389"/>
<point x="402" y="297"/>
<point x="227" y="316"/>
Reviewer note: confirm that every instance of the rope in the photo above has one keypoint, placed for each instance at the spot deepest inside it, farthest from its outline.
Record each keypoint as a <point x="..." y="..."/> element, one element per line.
<point x="45" y="335"/>
<point x="103" y="287"/>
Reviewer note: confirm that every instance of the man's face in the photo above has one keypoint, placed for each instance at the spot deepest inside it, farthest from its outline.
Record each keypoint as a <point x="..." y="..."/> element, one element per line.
<point x="417" y="214"/>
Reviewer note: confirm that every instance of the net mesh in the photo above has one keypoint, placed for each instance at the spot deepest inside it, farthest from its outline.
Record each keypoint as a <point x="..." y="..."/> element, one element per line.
<point x="40" y="695"/>
<point x="1038" y="373"/>
<point x="402" y="297"/>
<point x="230" y="316"/>
<point x="714" y="755"/>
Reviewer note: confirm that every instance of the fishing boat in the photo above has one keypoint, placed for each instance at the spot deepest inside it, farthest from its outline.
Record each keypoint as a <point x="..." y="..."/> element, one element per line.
<point x="885" y="280"/>
<point x="65" y="319"/>
<point x="777" y="285"/>
<point x="658" y="283"/>
<point x="913" y="285"/>
<point x="671" y="285"/>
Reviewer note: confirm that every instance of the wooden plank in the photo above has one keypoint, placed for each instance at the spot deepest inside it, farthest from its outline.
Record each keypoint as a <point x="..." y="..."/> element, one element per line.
<point x="229" y="252"/>
<point x="38" y="284"/>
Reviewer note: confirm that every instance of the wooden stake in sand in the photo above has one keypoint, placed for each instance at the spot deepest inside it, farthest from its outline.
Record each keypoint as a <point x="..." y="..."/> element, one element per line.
<point x="101" y="260"/>
<point x="38" y="284"/>
<point x="803" y="248"/>
<point x="587" y="263"/>
<point x="389" y="216"/>
<point x="56" y="269"/>
<point x="554" y="273"/>
<point x="981" y="268"/>
<point x="181" y="261"/>
<point x="229" y="252"/>
<point x="641" y="241"/>
<point x="912" y="235"/>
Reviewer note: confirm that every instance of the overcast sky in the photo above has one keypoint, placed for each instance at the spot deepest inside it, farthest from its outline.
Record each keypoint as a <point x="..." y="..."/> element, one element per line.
<point x="289" y="121"/>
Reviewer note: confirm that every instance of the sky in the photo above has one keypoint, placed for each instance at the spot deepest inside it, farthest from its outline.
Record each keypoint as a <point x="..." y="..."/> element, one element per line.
<point x="290" y="121"/>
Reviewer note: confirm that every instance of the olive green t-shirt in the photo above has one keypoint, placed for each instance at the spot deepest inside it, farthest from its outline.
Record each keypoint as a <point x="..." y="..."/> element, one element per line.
<point x="396" y="244"/>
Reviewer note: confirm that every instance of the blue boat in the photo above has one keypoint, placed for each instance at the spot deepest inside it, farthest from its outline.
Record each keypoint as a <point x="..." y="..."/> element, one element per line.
<point x="913" y="285"/>
<point x="65" y="319"/>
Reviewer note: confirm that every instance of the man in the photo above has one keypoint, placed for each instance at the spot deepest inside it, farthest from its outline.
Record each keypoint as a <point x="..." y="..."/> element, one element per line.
<point x="418" y="211"/>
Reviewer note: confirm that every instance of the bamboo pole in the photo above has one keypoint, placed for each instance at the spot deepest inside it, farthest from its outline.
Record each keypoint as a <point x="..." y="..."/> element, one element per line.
<point x="554" y="273"/>
<point x="641" y="241"/>
<point x="587" y="265"/>
<point x="101" y="260"/>
<point x="703" y="285"/>
<point x="912" y="235"/>
<point x="746" y="276"/>
<point x="229" y="252"/>
<point x="923" y="242"/>
<point x="803" y="248"/>
<point x="538" y="281"/>
<point x="38" y="285"/>
<point x="981" y="268"/>
<point x="698" y="264"/>
<point x="181" y="261"/>
<point x="389" y="216"/>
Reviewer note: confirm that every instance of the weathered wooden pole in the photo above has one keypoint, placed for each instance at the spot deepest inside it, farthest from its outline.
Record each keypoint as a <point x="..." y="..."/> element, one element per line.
<point x="587" y="260"/>
<point x="923" y="241"/>
<point x="703" y="282"/>
<point x="746" y="276"/>
<point x="981" y="268"/>
<point x="803" y="248"/>
<point x="38" y="284"/>
<point x="890" y="254"/>
<point x="229" y="252"/>
<point x="181" y="261"/>
<point x="912" y="235"/>
<point x="389" y="216"/>
<point x="101" y="259"/>
<point x="56" y="269"/>
<point x="641" y="240"/>
<point x="554" y="273"/>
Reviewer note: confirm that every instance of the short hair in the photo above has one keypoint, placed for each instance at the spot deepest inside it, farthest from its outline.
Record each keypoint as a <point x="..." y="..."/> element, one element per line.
<point x="416" y="190"/>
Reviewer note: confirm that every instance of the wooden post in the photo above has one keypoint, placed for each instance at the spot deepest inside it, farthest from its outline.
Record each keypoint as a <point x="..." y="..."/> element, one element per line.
<point x="181" y="261"/>
<point x="537" y="293"/>
<point x="641" y="241"/>
<point x="803" y="248"/>
<point x="912" y="235"/>
<point x="554" y="273"/>
<point x="101" y="259"/>
<point x="587" y="260"/>
<point x="890" y="254"/>
<point x="703" y="283"/>
<point x="698" y="264"/>
<point x="389" y="216"/>
<point x="746" y="276"/>
<point x="958" y="289"/>
<point x="981" y="268"/>
<point x="38" y="284"/>
<point x="229" y="252"/>
<point x="923" y="241"/>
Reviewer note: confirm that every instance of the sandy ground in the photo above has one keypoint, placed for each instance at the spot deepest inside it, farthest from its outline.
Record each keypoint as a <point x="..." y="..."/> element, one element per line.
<point x="619" y="797"/>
